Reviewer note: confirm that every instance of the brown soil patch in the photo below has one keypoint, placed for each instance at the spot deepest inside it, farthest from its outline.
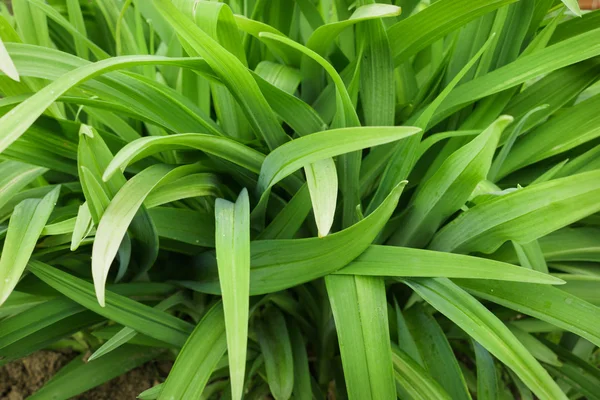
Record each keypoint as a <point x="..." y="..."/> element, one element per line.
<point x="22" y="378"/>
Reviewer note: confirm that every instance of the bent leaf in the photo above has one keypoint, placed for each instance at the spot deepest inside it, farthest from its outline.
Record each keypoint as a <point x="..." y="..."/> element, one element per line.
<point x="489" y="331"/>
<point x="523" y="215"/>
<point x="24" y="229"/>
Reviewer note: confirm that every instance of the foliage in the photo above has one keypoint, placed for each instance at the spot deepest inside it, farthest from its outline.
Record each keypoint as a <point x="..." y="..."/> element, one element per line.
<point x="304" y="199"/>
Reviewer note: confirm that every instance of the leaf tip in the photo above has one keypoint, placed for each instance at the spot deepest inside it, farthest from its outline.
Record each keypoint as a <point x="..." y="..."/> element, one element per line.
<point x="554" y="280"/>
<point x="86" y="130"/>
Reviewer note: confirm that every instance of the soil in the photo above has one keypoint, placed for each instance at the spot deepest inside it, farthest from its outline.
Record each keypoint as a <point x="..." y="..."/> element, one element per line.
<point x="21" y="378"/>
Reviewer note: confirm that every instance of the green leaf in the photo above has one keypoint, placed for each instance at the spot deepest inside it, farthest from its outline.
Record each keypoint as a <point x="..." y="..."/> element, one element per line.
<point x="449" y="187"/>
<point x="152" y="393"/>
<point x="126" y="334"/>
<point x="549" y="59"/>
<point x="39" y="317"/>
<point x="302" y="385"/>
<point x="24" y="229"/>
<point x="487" y="378"/>
<point x="46" y="336"/>
<point x="345" y="116"/>
<point x="543" y="302"/>
<point x="232" y="238"/>
<point x="422" y="29"/>
<point x="573" y="5"/>
<point x="222" y="147"/>
<point x="32" y="24"/>
<point x="280" y="264"/>
<point x="488" y="330"/>
<point x="190" y="186"/>
<point x="15" y="123"/>
<point x="414" y="379"/>
<point x="79" y="376"/>
<point x="499" y="160"/>
<point x="581" y="375"/>
<point x="318" y="146"/>
<point x="377" y="92"/>
<point x="358" y="305"/>
<point x="216" y="19"/>
<point x="93" y="156"/>
<point x="580" y="123"/>
<point x="154" y="323"/>
<point x="254" y="28"/>
<point x="276" y="349"/>
<point x="436" y="352"/>
<point x="289" y="220"/>
<point x="15" y="176"/>
<point x="321" y="38"/>
<point x="232" y="72"/>
<point x="537" y="348"/>
<point x="320" y="41"/>
<point x="121" y="212"/>
<point x="283" y="77"/>
<point x="76" y="19"/>
<point x="523" y="215"/>
<point x="150" y="101"/>
<point x="6" y="64"/>
<point x="405" y="262"/>
<point x="322" y="181"/>
<point x="186" y="226"/>
<point x="405" y="154"/>
<point x="83" y="226"/>
<point x="198" y="357"/>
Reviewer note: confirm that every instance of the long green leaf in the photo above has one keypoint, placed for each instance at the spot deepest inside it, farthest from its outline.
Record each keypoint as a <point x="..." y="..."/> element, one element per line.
<point x="222" y="147"/>
<point x="126" y="334"/>
<point x="80" y="376"/>
<point x="423" y="28"/>
<point x="121" y="212"/>
<point x="448" y="189"/>
<point x="280" y="264"/>
<point x="549" y="304"/>
<point x="436" y="353"/>
<point x="26" y="225"/>
<point x="21" y="117"/>
<point x="358" y="305"/>
<point x="232" y="239"/>
<point x="232" y="72"/>
<point x="154" y="323"/>
<point x="276" y="348"/>
<point x="414" y="379"/>
<point x="523" y="215"/>
<point x="488" y="330"/>
<point x="198" y="357"/>
<point x="318" y="146"/>
<point x="405" y="262"/>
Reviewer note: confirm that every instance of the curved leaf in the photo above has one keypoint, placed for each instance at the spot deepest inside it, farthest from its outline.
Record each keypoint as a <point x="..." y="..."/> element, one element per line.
<point x="449" y="187"/>
<point x="222" y="147"/>
<point x="549" y="304"/>
<point x="120" y="213"/>
<point x="488" y="330"/>
<point x="198" y="357"/>
<point x="24" y="229"/>
<point x="280" y="264"/>
<point x="523" y="215"/>
<point x="318" y="146"/>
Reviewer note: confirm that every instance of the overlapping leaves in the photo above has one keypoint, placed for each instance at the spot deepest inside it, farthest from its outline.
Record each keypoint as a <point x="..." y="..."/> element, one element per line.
<point x="128" y="129"/>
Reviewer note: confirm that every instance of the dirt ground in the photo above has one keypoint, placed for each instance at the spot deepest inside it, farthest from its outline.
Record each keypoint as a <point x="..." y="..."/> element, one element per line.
<point x="21" y="378"/>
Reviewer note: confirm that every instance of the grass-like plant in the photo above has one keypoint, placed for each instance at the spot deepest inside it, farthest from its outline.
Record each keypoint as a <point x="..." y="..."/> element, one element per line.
<point x="304" y="199"/>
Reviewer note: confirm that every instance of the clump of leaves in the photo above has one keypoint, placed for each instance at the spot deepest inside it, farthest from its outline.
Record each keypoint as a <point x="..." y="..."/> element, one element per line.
<point x="305" y="198"/>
